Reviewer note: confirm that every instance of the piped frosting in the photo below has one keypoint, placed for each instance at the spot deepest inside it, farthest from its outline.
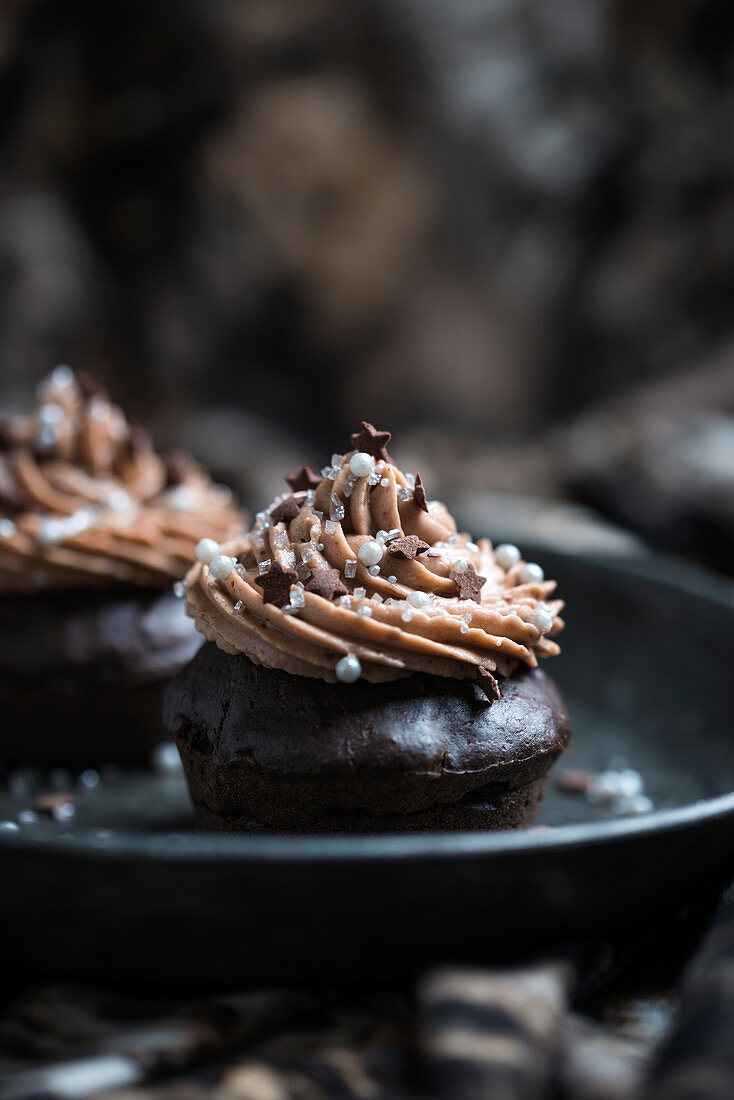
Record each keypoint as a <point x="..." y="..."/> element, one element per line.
<point x="86" y="502"/>
<point x="357" y="573"/>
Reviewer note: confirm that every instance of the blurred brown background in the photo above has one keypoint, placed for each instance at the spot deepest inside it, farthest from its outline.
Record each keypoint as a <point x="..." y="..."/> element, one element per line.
<point x="502" y="228"/>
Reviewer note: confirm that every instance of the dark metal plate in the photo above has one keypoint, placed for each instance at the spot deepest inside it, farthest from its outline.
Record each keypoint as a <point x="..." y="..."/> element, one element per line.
<point x="125" y="889"/>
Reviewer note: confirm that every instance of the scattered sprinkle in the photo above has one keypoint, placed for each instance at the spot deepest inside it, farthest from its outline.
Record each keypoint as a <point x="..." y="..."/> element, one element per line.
<point x="165" y="758"/>
<point x="350" y="568"/>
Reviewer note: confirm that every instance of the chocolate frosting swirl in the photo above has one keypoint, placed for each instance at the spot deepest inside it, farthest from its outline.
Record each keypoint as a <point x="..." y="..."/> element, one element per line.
<point x="405" y="614"/>
<point x="85" y="500"/>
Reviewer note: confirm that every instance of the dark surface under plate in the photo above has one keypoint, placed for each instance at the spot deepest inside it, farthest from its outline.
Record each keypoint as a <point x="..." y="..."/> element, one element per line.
<point x="125" y="890"/>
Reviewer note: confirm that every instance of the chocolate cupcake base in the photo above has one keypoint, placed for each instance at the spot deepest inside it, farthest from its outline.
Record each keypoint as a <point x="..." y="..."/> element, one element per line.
<point x="265" y="751"/>
<point x="82" y="675"/>
<point x="495" y="806"/>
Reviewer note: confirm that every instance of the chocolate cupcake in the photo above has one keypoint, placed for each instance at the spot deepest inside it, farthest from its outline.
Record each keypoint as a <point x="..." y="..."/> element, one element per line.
<point x="94" y="528"/>
<point x="367" y="668"/>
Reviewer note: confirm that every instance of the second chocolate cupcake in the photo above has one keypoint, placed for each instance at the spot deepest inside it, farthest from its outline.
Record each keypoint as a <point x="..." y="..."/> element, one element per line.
<point x="94" y="529"/>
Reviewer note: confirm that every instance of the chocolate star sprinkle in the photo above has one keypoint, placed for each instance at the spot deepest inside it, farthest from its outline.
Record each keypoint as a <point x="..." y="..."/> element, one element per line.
<point x="304" y="478"/>
<point x="51" y="803"/>
<point x="327" y="582"/>
<point x="407" y="547"/>
<point x="89" y="386"/>
<point x="488" y="684"/>
<point x="136" y="443"/>
<point x="179" y="467"/>
<point x="469" y="584"/>
<point x="372" y="442"/>
<point x="287" y="510"/>
<point x="419" y="493"/>
<point x="12" y="434"/>
<point x="276" y="584"/>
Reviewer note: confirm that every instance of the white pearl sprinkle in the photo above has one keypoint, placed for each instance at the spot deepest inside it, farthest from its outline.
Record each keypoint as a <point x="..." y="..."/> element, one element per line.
<point x="461" y="565"/>
<point x="221" y="566"/>
<point x="165" y="758"/>
<point x="348" y="669"/>
<point x="9" y="826"/>
<point x="46" y="437"/>
<point x="506" y="555"/>
<point x="361" y="464"/>
<point x="541" y="618"/>
<point x="180" y="499"/>
<point x="50" y="531"/>
<point x="100" y="409"/>
<point x="206" y="549"/>
<point x="50" y="414"/>
<point x="392" y="579"/>
<point x="119" y="501"/>
<point x="531" y="573"/>
<point x="370" y="553"/>
<point x="419" y="599"/>
<point x="7" y="528"/>
<point x="62" y="376"/>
